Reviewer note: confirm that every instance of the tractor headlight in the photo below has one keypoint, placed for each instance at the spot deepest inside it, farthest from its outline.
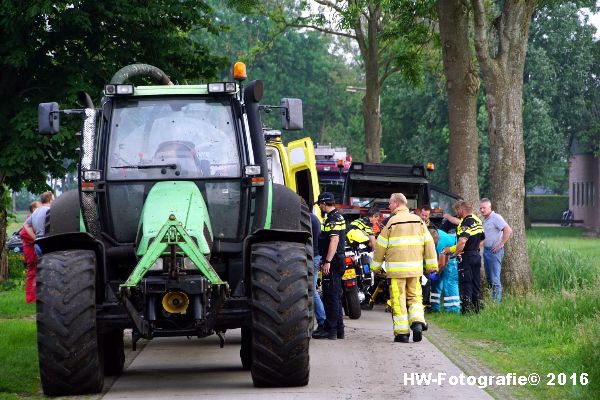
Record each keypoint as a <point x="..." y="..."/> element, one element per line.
<point x="216" y="87"/>
<point x="221" y="87"/>
<point x="252" y="170"/>
<point x="91" y="175"/>
<point x="120" y="90"/>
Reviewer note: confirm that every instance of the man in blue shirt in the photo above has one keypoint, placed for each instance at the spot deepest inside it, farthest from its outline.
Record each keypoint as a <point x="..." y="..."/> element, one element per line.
<point x="497" y="233"/>
<point x="319" y="309"/>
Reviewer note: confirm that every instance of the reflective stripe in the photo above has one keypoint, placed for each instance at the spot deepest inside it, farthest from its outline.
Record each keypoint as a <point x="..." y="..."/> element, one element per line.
<point x="334" y="227"/>
<point x="381" y="241"/>
<point x="405" y="264"/>
<point x="400" y="318"/>
<point x="361" y="225"/>
<point x="451" y="297"/>
<point x="433" y="294"/>
<point x="429" y="261"/>
<point x="456" y="303"/>
<point x="376" y="264"/>
<point x="435" y="301"/>
<point x="400" y="240"/>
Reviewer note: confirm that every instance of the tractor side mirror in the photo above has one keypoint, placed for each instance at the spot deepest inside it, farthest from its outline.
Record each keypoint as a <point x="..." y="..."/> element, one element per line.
<point x="48" y="118"/>
<point x="291" y="115"/>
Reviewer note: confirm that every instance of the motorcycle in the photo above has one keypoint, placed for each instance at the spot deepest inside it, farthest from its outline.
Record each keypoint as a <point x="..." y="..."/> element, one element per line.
<point x="351" y="295"/>
<point x="378" y="292"/>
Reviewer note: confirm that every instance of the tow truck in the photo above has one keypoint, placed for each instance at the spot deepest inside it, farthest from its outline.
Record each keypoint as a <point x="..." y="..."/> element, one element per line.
<point x="368" y="186"/>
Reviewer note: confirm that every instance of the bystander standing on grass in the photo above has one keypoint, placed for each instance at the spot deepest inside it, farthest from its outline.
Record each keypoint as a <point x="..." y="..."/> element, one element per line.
<point x="555" y="329"/>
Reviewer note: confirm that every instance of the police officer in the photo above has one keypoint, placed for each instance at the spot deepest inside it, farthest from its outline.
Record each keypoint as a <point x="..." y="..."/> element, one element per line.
<point x="360" y="231"/>
<point x="331" y="248"/>
<point x="470" y="239"/>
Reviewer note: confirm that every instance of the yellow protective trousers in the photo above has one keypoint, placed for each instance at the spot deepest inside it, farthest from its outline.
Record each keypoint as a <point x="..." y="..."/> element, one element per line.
<point x="406" y="295"/>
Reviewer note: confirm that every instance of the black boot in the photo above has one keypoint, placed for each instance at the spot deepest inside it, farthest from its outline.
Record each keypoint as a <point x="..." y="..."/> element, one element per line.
<point x="417" y="328"/>
<point x="402" y="338"/>
<point x="324" y="335"/>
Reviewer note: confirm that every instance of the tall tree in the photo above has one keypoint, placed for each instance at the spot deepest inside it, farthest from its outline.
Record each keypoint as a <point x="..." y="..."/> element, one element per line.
<point x="502" y="63"/>
<point x="294" y="63"/>
<point x="558" y="89"/>
<point x="390" y="35"/>
<point x="462" y="85"/>
<point x="50" y="50"/>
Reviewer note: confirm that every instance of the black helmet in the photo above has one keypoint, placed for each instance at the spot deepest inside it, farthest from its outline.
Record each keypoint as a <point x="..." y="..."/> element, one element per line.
<point x="325" y="197"/>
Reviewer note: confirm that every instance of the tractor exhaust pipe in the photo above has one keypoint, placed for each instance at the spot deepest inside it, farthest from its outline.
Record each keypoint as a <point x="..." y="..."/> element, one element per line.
<point x="134" y="70"/>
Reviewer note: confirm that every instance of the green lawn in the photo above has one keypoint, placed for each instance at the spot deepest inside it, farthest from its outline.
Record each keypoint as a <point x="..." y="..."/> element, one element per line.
<point x="16" y="223"/>
<point x="19" y="373"/>
<point x="554" y="329"/>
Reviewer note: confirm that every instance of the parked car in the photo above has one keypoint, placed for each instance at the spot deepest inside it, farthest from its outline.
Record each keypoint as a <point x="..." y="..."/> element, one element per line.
<point x="14" y="243"/>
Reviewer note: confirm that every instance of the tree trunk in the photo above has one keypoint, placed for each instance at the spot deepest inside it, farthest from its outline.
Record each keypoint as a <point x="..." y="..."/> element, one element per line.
<point x="507" y="174"/>
<point x="372" y="123"/>
<point x="4" y="273"/>
<point x="369" y="48"/>
<point x="503" y="76"/>
<point x="462" y="85"/>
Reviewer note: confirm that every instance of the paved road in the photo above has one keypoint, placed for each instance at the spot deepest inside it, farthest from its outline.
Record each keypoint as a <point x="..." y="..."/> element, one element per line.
<point x="366" y="365"/>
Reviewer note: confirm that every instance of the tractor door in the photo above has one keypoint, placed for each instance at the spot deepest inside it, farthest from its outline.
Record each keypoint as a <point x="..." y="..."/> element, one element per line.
<point x="303" y="169"/>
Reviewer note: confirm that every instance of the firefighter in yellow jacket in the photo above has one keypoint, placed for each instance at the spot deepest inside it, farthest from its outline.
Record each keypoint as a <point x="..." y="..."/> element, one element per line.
<point x="405" y="245"/>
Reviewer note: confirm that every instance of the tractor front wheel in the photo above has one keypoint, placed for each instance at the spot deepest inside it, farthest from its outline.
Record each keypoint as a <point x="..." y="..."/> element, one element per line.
<point x="280" y="314"/>
<point x="68" y="348"/>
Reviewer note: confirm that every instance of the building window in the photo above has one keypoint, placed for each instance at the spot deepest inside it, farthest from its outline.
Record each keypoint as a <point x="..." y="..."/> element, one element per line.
<point x="573" y="195"/>
<point x="589" y="194"/>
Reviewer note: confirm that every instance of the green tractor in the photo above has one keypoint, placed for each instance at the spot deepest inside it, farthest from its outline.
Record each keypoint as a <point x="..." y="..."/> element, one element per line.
<point x="176" y="230"/>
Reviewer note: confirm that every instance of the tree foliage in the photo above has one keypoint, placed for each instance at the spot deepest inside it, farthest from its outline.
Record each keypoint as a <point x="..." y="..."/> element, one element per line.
<point x="50" y="50"/>
<point x="390" y="36"/>
<point x="558" y="91"/>
<point x="292" y="63"/>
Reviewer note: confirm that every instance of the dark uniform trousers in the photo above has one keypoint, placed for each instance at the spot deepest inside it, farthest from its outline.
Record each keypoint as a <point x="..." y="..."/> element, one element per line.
<point x="332" y="300"/>
<point x="469" y="281"/>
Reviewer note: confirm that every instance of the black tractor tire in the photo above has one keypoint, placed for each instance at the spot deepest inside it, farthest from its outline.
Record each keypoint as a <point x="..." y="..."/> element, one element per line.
<point x="352" y="303"/>
<point x="280" y="314"/>
<point x="306" y="225"/>
<point x="113" y="352"/>
<point x="63" y="216"/>
<point x="68" y="347"/>
<point x="246" y="348"/>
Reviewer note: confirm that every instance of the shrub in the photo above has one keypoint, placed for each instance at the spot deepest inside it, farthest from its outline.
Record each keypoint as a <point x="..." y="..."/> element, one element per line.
<point x="546" y="207"/>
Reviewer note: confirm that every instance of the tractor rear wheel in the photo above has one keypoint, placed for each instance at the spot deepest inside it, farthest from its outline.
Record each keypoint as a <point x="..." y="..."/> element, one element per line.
<point x="306" y="226"/>
<point x="280" y="314"/>
<point x="68" y="348"/>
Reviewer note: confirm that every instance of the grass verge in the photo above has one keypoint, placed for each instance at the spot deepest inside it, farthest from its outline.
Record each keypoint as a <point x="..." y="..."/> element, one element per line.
<point x="19" y="371"/>
<point x="555" y="329"/>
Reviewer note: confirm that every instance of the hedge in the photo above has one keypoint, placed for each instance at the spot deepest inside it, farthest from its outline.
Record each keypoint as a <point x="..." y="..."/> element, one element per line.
<point x="546" y="207"/>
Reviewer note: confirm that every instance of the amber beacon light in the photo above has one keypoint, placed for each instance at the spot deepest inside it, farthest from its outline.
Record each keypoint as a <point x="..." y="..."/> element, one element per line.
<point x="239" y="71"/>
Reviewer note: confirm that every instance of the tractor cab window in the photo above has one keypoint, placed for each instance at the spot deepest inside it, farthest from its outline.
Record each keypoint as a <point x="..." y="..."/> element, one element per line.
<point x="170" y="139"/>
